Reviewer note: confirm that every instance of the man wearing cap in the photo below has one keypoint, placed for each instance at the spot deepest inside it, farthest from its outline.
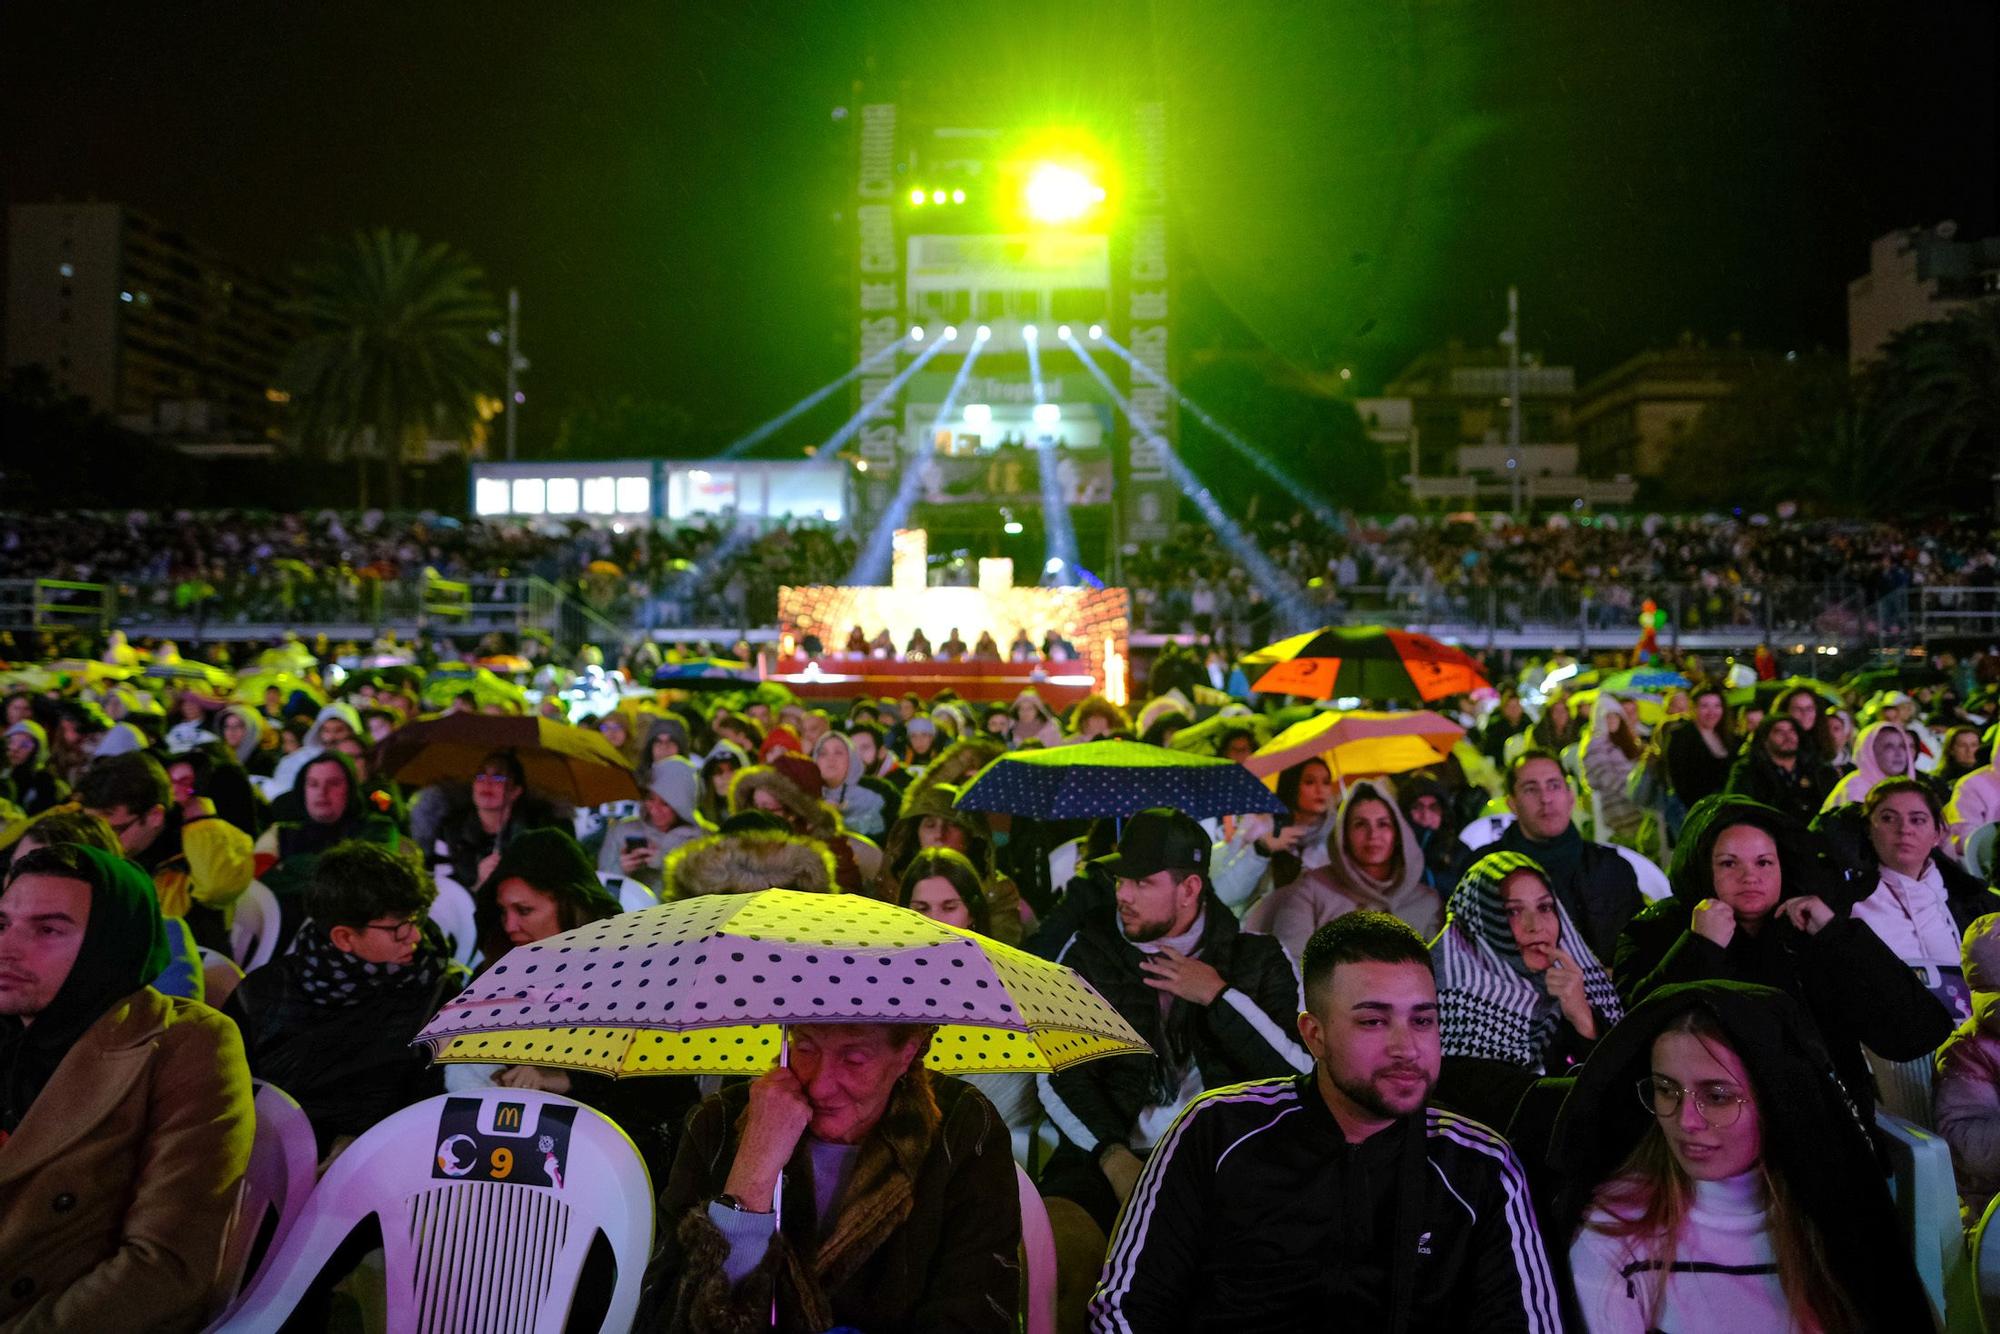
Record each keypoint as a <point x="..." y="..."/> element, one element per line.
<point x="1214" y="1002"/>
<point x="637" y="848"/>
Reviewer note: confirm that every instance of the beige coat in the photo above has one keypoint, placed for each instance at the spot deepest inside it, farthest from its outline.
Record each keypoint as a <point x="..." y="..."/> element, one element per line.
<point x="118" y="1188"/>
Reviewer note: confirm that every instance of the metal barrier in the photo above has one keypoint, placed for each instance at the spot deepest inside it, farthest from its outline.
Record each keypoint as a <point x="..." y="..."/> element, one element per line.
<point x="56" y="604"/>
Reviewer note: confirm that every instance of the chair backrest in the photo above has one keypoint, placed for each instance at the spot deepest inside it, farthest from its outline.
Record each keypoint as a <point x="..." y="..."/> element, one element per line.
<point x="220" y="977"/>
<point x="253" y="926"/>
<point x="632" y="894"/>
<point x="284" y="1161"/>
<point x="1926" y="1195"/>
<point x="1485" y="829"/>
<point x="455" y="915"/>
<point x="1653" y="882"/>
<point x="1038" y="1249"/>
<point x="489" y="1203"/>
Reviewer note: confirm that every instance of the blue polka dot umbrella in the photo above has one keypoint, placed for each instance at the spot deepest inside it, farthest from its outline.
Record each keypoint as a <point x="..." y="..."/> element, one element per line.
<point x="708" y="985"/>
<point x="1115" y="780"/>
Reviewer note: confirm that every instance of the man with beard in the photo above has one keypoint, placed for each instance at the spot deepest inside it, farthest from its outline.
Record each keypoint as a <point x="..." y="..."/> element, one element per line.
<point x="1776" y="770"/>
<point x="1337" y="1197"/>
<point x="1214" y="1002"/>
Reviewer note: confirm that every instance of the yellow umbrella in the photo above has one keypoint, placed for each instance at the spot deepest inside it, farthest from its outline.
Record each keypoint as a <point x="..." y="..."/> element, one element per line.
<point x="1359" y="743"/>
<point x="1651" y="709"/>
<point x="708" y="985"/>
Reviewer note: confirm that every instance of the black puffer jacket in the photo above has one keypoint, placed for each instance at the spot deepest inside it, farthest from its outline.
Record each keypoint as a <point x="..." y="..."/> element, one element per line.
<point x="1245" y="1034"/>
<point x="1852" y="986"/>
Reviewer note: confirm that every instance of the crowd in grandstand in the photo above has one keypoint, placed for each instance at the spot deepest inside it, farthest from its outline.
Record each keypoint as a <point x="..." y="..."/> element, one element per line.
<point x="275" y="567"/>
<point x="1584" y="1023"/>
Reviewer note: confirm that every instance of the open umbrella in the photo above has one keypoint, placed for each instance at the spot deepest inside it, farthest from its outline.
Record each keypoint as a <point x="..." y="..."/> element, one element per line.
<point x="1359" y="743"/>
<point x="250" y="689"/>
<point x="1896" y="676"/>
<point x="510" y="664"/>
<point x="187" y="672"/>
<point x="1651" y="711"/>
<point x="1205" y="737"/>
<point x="446" y="683"/>
<point x="1768" y="693"/>
<point x="706" y="986"/>
<point x="1114" y="779"/>
<point x="706" y="674"/>
<point x="1369" y="662"/>
<point x="572" y="764"/>
<point x="1647" y="680"/>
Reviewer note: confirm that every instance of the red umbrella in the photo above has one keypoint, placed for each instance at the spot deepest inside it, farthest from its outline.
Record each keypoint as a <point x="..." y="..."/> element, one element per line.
<point x="1367" y="662"/>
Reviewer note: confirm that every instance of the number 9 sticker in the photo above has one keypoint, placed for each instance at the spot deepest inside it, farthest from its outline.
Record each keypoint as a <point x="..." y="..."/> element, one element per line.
<point x="503" y="1164"/>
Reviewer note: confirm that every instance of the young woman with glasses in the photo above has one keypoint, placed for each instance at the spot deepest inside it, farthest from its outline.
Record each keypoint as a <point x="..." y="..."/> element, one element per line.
<point x="1721" y="1180"/>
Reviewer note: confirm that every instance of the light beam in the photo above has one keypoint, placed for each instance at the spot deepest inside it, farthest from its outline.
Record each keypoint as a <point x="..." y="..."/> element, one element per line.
<point x="745" y="443"/>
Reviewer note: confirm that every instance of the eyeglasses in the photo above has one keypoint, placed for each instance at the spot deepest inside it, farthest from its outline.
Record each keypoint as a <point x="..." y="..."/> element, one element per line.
<point x="1718" y="1106"/>
<point x="406" y="929"/>
<point x="493" y="777"/>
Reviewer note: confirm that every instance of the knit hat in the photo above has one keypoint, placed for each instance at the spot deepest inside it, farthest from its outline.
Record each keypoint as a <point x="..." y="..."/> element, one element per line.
<point x="28" y="727"/>
<point x="801" y="771"/>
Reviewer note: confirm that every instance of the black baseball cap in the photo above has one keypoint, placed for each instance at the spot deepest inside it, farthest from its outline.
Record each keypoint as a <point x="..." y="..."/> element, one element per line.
<point x="1157" y="840"/>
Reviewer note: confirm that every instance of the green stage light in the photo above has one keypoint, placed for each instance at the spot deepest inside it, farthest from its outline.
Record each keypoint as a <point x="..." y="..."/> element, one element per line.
<point x="918" y="196"/>
<point x="937" y="196"/>
<point x="1059" y="194"/>
<point x="958" y="196"/>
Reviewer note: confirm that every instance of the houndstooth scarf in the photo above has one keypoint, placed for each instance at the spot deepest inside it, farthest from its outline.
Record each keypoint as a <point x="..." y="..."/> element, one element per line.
<point x="1490" y="1005"/>
<point x="331" y="977"/>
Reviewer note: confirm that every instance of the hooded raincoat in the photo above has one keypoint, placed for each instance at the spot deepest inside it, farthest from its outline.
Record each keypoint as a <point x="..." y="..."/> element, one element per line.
<point x="1293" y="912"/>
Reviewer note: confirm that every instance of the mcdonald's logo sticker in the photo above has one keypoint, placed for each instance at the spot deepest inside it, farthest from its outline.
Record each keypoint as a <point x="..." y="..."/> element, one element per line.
<point x="507" y="1116"/>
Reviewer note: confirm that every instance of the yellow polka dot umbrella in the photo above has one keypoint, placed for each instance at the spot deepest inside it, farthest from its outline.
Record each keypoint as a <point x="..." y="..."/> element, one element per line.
<point x="707" y="986"/>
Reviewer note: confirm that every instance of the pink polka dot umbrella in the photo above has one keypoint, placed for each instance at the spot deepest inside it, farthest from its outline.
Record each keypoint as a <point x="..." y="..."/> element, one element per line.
<point x="707" y="986"/>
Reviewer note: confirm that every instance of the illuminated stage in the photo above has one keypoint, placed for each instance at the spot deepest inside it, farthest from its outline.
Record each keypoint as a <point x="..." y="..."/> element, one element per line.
<point x="1097" y="621"/>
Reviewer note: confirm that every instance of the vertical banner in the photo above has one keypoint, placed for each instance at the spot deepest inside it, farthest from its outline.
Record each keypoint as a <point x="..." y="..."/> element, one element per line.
<point x="1150" y="495"/>
<point x="878" y="292"/>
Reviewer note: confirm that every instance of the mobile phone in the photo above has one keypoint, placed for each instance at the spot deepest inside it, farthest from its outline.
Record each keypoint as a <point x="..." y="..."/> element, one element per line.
<point x="634" y="842"/>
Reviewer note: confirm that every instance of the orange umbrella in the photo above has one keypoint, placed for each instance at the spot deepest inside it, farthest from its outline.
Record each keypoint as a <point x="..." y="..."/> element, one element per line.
<point x="1367" y="662"/>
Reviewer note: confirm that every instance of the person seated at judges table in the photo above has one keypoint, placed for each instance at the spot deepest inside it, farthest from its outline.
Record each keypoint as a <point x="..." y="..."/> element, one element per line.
<point x="1336" y="1198"/>
<point x="1736" y="1190"/>
<point x="1521" y="993"/>
<point x="332" y="1021"/>
<point x="125" y="1116"/>
<point x="901" y="1211"/>
<point x="1755" y="899"/>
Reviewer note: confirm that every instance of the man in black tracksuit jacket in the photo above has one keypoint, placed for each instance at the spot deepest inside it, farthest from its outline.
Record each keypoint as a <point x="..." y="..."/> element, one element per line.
<point x="1336" y="1200"/>
<point x="1153" y="962"/>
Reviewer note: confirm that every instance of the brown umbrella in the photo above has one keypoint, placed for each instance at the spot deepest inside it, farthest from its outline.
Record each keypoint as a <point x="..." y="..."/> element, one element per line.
<point x="572" y="764"/>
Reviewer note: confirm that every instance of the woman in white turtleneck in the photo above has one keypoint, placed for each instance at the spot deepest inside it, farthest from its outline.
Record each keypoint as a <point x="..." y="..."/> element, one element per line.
<point x="1706" y="1166"/>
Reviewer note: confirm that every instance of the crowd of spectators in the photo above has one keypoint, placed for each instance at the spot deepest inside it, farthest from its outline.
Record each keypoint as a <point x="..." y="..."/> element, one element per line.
<point x="1707" y="570"/>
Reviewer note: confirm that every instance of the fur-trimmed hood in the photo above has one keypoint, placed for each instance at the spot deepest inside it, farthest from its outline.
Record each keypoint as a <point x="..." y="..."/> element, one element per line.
<point x="745" y="863"/>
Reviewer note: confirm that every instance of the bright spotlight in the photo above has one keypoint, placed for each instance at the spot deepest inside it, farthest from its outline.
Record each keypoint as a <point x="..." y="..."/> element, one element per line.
<point x="1097" y="331"/>
<point x="979" y="416"/>
<point x="951" y="333"/>
<point x="982" y="333"/>
<point x="861" y="465"/>
<point x="1062" y="331"/>
<point x="918" y="196"/>
<point x="958" y="196"/>
<point x="1030" y="332"/>
<point x="937" y="196"/>
<point x="1054" y="565"/>
<point x="1047" y="414"/>
<point x="916" y="333"/>
<point x="1012" y="527"/>
<point x="1057" y="193"/>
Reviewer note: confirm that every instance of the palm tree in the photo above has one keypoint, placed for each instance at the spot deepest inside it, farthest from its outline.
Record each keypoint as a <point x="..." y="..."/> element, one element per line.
<point x="1938" y="389"/>
<point x="396" y="346"/>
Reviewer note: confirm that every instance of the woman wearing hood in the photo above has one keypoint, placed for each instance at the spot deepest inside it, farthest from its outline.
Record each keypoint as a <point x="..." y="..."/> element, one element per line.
<point x="1883" y="750"/>
<point x="243" y="730"/>
<point x="669" y="819"/>
<point x="1720" y="1179"/>
<point x="336" y="722"/>
<point x="840" y="772"/>
<point x="1756" y="899"/>
<point x="1034" y="721"/>
<point x="28" y="780"/>
<point x="1975" y="799"/>
<point x="718" y="772"/>
<point x="1519" y="992"/>
<point x="1960" y="757"/>
<point x="1373" y="862"/>
<point x="1610" y="750"/>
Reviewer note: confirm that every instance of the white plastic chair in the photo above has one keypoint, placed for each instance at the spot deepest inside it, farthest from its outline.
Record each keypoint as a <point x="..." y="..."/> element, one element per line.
<point x="220" y="976"/>
<point x="455" y="915"/>
<point x="253" y="927"/>
<point x="1038" y="1249"/>
<point x="472" y="1239"/>
<point x="1926" y="1194"/>
<point x="1653" y="882"/>
<point x="284" y="1160"/>
<point x="632" y="894"/>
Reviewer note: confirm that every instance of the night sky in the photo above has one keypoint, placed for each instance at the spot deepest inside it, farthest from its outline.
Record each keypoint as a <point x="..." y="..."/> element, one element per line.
<point x="1353" y="181"/>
